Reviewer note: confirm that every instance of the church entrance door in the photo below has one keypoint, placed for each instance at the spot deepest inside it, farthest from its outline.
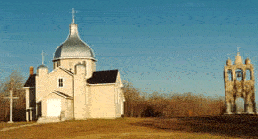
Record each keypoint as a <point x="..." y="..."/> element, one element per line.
<point x="53" y="107"/>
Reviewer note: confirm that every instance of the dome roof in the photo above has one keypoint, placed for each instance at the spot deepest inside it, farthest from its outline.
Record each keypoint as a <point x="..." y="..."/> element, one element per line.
<point x="73" y="47"/>
<point x="42" y="67"/>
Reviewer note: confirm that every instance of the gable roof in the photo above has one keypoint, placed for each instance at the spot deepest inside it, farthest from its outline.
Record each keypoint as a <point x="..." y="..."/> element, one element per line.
<point x="65" y="70"/>
<point x="62" y="94"/>
<point x="30" y="81"/>
<point x="99" y="77"/>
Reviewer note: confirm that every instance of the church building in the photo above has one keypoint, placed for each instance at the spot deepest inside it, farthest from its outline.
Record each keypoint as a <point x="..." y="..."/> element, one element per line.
<point x="73" y="89"/>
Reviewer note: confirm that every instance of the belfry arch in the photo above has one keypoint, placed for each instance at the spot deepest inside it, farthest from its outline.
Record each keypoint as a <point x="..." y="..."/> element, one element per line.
<point x="240" y="105"/>
<point x="239" y="83"/>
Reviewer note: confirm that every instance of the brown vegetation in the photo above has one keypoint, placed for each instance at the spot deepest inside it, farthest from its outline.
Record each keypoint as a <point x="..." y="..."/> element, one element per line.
<point x="100" y="128"/>
<point x="138" y="104"/>
<point x="244" y="126"/>
<point x="16" y="82"/>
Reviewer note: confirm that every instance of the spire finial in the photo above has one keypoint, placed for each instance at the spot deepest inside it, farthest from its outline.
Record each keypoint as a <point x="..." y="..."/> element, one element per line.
<point x="238" y="48"/>
<point x="73" y="12"/>
<point x="42" y="57"/>
<point x="238" y="53"/>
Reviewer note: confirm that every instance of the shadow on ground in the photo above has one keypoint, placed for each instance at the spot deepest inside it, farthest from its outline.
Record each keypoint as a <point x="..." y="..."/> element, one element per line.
<point x="226" y="125"/>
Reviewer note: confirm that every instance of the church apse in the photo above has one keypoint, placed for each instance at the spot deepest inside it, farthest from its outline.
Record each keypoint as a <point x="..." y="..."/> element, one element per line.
<point x="239" y="83"/>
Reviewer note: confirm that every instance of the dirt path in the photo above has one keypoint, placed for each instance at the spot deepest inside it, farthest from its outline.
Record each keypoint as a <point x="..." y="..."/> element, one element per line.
<point x="15" y="127"/>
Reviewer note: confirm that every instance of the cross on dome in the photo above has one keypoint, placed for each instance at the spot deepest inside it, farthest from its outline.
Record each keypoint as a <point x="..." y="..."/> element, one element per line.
<point x="43" y="54"/>
<point x="79" y="48"/>
<point x="73" y="12"/>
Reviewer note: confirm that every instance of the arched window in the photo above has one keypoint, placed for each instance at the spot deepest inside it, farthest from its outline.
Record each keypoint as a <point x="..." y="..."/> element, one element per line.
<point x="239" y="74"/>
<point x="85" y="64"/>
<point x="58" y="64"/>
<point x="230" y="76"/>
<point x="239" y="105"/>
<point x="248" y="75"/>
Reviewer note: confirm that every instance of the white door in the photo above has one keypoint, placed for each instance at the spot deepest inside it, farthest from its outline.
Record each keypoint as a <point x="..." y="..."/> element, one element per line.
<point x="53" y="107"/>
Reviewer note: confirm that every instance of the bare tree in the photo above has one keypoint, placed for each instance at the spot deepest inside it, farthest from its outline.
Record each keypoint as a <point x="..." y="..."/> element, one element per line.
<point x="140" y="104"/>
<point x="135" y="102"/>
<point x="14" y="81"/>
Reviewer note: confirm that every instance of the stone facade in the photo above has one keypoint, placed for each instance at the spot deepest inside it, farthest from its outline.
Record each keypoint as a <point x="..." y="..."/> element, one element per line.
<point x="239" y="82"/>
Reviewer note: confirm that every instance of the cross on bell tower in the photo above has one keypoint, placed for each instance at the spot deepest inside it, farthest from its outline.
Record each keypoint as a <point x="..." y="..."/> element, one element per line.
<point x="238" y="53"/>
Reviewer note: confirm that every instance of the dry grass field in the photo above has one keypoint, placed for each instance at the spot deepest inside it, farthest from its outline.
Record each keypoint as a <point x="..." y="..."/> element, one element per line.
<point x="186" y="127"/>
<point x="6" y="125"/>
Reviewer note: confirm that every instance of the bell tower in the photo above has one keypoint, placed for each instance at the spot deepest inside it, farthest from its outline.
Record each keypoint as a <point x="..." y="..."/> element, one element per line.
<point x="239" y="82"/>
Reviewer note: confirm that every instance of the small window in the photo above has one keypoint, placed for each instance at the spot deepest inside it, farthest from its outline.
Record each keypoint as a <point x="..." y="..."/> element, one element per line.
<point x="60" y="83"/>
<point x="239" y="74"/>
<point x="230" y="77"/>
<point x="58" y="64"/>
<point x="248" y="75"/>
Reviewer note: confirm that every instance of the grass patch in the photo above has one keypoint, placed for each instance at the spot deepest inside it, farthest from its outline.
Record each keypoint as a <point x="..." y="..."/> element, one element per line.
<point x="105" y="128"/>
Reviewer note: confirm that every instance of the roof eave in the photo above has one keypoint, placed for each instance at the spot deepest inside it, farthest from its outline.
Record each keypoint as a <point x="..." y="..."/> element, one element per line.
<point x="98" y="84"/>
<point x="60" y="58"/>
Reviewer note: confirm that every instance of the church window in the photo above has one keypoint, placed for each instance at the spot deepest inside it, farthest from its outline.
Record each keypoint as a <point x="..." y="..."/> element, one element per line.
<point x="248" y="75"/>
<point x="230" y="77"/>
<point x="60" y="82"/>
<point x="58" y="64"/>
<point x="239" y="74"/>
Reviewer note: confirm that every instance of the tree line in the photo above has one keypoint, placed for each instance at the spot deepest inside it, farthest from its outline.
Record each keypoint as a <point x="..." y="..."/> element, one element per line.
<point x="139" y="104"/>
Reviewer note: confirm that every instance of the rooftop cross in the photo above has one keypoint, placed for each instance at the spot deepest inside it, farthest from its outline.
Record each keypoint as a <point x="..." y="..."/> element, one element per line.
<point x="238" y="49"/>
<point x="73" y="12"/>
<point x="42" y="57"/>
<point x="238" y="53"/>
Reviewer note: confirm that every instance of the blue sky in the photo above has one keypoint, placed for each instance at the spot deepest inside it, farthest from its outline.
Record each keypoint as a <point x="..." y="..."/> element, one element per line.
<point x="158" y="45"/>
